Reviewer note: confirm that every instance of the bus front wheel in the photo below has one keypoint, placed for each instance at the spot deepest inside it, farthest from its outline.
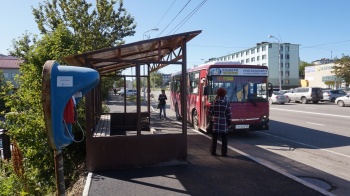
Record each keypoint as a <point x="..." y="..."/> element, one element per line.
<point x="195" y="120"/>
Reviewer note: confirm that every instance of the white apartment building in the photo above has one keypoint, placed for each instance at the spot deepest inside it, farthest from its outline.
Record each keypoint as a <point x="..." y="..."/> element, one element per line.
<point x="267" y="54"/>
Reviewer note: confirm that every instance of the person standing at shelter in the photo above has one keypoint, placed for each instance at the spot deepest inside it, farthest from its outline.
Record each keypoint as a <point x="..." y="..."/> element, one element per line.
<point x="162" y="104"/>
<point x="221" y="116"/>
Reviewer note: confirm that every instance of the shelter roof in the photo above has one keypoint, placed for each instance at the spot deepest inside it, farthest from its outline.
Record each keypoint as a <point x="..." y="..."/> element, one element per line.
<point x="158" y="52"/>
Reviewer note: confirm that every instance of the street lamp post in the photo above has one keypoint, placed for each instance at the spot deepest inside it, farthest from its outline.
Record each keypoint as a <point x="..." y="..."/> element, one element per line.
<point x="279" y="60"/>
<point x="144" y="66"/>
<point x="145" y="35"/>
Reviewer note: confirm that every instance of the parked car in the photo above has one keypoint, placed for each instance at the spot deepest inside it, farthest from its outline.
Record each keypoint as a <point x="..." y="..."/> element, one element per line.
<point x="129" y="92"/>
<point x="343" y="101"/>
<point x="346" y="89"/>
<point x="276" y="90"/>
<point x="120" y="91"/>
<point x="286" y="91"/>
<point x="331" y="95"/>
<point x="278" y="97"/>
<point x="306" y="94"/>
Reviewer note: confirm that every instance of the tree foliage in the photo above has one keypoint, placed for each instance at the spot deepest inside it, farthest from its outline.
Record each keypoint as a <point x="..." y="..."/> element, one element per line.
<point x="342" y="69"/>
<point x="93" y="29"/>
<point x="302" y="66"/>
<point x="67" y="27"/>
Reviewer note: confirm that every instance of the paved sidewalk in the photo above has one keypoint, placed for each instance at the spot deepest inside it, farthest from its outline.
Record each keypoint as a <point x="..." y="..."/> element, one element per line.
<point x="202" y="175"/>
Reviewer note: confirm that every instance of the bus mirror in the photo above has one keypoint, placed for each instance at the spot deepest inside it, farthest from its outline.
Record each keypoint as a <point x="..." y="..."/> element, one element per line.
<point x="205" y="90"/>
<point x="270" y="88"/>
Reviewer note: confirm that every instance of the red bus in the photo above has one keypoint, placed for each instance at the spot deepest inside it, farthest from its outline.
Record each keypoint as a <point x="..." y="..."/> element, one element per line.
<point x="247" y="89"/>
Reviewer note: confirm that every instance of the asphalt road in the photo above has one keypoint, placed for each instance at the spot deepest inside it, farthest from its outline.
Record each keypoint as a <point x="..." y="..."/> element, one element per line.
<point x="310" y="141"/>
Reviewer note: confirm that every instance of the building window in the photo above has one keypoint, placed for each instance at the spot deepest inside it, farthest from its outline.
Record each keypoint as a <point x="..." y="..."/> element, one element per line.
<point x="6" y="76"/>
<point x="281" y="65"/>
<point x="287" y="65"/>
<point x="258" y="58"/>
<point x="252" y="59"/>
<point x="287" y="48"/>
<point x="247" y="60"/>
<point x="281" y="73"/>
<point x="241" y="54"/>
<point x="263" y="57"/>
<point x="281" y="47"/>
<point x="263" y="48"/>
<point x="252" y="51"/>
<point x="281" y="56"/>
<point x="287" y="56"/>
<point x="242" y="61"/>
<point x="247" y="52"/>
<point x="281" y="81"/>
<point x="257" y="49"/>
<point x="287" y="73"/>
<point x="237" y="55"/>
<point x="287" y="81"/>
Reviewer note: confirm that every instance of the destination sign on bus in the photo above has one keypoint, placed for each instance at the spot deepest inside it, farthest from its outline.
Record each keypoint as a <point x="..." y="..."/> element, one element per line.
<point x="225" y="78"/>
<point x="238" y="71"/>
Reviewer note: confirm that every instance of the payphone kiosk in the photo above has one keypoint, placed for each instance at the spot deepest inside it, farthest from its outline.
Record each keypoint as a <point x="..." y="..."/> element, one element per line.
<point x="63" y="88"/>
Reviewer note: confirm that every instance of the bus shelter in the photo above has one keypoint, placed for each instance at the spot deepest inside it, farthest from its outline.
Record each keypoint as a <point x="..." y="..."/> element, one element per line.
<point x="105" y="151"/>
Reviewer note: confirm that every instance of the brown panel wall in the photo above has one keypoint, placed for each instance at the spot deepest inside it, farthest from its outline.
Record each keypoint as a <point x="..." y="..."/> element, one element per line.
<point x="116" y="152"/>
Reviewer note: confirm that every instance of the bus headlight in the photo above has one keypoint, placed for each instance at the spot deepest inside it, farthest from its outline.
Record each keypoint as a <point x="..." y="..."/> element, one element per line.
<point x="264" y="119"/>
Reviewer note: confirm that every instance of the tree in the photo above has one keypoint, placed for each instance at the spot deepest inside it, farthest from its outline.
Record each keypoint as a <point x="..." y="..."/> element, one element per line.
<point x="302" y="66"/>
<point x="93" y="29"/>
<point x="77" y="30"/>
<point x="342" y="69"/>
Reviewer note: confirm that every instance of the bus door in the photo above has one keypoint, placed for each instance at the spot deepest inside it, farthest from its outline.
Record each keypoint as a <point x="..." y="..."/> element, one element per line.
<point x="203" y="104"/>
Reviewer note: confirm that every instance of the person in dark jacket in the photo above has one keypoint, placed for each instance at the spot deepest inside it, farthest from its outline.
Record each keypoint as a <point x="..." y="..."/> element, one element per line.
<point x="162" y="104"/>
<point x="221" y="115"/>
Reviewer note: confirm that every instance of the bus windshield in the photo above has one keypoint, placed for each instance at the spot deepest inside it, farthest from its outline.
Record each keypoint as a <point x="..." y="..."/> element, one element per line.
<point x="239" y="88"/>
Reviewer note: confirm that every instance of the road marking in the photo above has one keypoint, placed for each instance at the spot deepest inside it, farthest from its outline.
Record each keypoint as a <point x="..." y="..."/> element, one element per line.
<point x="341" y="116"/>
<point x="315" y="147"/>
<point x="315" y="124"/>
<point x="311" y="108"/>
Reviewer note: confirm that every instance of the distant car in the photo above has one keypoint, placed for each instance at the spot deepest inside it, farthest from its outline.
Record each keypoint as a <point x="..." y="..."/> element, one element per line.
<point x="306" y="94"/>
<point x="120" y="91"/>
<point x="331" y="95"/>
<point x="276" y="90"/>
<point x="278" y="97"/>
<point x="346" y="89"/>
<point x="343" y="101"/>
<point x="129" y="92"/>
<point x="286" y="91"/>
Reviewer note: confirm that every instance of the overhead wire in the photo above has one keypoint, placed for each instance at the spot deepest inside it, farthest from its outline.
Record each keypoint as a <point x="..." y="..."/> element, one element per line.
<point x="174" y="18"/>
<point x="166" y="12"/>
<point x="187" y="17"/>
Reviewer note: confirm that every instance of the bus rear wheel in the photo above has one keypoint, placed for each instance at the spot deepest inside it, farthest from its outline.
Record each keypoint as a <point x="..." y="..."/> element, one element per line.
<point x="195" y="120"/>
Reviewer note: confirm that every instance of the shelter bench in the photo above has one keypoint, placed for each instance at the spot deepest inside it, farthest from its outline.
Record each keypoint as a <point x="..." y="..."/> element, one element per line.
<point x="103" y="127"/>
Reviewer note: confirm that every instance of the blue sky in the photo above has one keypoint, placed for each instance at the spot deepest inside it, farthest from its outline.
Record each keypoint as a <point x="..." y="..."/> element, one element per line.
<point x="319" y="26"/>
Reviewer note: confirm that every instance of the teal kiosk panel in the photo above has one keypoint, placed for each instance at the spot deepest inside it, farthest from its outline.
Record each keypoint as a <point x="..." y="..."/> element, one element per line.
<point x="64" y="86"/>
